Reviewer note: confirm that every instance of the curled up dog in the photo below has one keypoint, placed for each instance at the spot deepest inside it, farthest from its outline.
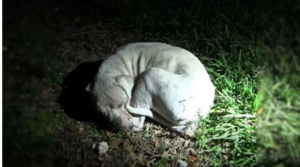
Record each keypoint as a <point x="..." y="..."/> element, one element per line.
<point x="163" y="82"/>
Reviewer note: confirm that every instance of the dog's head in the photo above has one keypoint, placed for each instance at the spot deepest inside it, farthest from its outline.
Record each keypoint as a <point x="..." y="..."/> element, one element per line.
<point x="110" y="95"/>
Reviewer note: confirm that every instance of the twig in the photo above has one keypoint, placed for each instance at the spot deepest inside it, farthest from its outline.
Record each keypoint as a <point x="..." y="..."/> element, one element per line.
<point x="67" y="50"/>
<point x="135" y="144"/>
<point x="151" y="161"/>
<point x="156" y="156"/>
<point x="153" y="152"/>
<point x="129" y="138"/>
<point x="180" y="152"/>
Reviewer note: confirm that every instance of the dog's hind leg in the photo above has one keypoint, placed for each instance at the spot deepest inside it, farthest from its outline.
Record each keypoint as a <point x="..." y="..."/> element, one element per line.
<point x="167" y="94"/>
<point x="184" y="128"/>
<point x="188" y="128"/>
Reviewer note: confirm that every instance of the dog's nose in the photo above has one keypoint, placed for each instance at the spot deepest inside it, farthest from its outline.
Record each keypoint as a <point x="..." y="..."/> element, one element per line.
<point x="131" y="126"/>
<point x="116" y="126"/>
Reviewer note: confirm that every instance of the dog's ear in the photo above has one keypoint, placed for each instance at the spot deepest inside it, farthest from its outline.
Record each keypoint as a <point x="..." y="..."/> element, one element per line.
<point x="126" y="83"/>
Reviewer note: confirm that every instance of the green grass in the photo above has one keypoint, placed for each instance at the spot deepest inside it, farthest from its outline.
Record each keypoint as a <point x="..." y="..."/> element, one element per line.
<point x="228" y="136"/>
<point x="58" y="79"/>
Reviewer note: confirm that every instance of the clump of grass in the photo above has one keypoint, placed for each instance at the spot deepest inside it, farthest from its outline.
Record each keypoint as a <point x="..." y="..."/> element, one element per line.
<point x="228" y="136"/>
<point x="58" y="78"/>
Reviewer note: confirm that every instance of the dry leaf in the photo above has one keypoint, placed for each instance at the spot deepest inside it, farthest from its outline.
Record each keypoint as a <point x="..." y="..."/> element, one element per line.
<point x="192" y="158"/>
<point x="186" y="143"/>
<point x="177" y="143"/>
<point x="144" y="144"/>
<point x="145" y="159"/>
<point x="157" y="144"/>
<point x="163" y="146"/>
<point x="116" y="142"/>
<point x="101" y="158"/>
<point x="147" y="135"/>
<point x="132" y="156"/>
<point x="128" y="148"/>
<point x="193" y="152"/>
<point x="142" y="158"/>
<point x="157" y="132"/>
<point x="109" y="134"/>
<point x="166" y="155"/>
<point x="198" y="163"/>
<point x="127" y="142"/>
<point x="167" y="141"/>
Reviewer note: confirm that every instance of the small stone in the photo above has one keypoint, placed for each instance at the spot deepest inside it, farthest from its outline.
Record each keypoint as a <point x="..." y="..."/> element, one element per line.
<point x="181" y="163"/>
<point x="93" y="146"/>
<point x="102" y="148"/>
<point x="80" y="129"/>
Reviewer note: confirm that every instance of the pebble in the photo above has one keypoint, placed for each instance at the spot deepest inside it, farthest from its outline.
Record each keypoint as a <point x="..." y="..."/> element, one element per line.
<point x="102" y="147"/>
<point x="181" y="163"/>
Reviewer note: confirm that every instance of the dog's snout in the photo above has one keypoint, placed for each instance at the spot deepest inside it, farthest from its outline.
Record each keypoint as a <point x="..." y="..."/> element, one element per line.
<point x="116" y="126"/>
<point x="131" y="126"/>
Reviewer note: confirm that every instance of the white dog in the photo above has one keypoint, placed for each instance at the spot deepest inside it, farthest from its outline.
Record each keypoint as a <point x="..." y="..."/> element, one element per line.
<point x="166" y="83"/>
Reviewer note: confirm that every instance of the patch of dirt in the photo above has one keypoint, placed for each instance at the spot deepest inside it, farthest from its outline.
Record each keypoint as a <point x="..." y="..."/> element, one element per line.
<point x="75" y="140"/>
<point x="82" y="40"/>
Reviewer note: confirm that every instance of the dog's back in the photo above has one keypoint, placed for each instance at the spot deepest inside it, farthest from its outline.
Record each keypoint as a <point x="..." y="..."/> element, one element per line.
<point x="135" y="58"/>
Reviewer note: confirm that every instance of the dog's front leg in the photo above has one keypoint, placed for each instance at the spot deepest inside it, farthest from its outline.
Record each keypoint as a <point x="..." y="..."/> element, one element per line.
<point x="137" y="123"/>
<point x="139" y="111"/>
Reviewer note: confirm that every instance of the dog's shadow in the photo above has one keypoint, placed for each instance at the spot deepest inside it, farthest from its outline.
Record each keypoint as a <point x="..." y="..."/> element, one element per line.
<point x="74" y="98"/>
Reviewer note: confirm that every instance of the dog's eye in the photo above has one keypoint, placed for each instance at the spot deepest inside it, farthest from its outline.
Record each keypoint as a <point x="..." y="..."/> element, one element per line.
<point x="112" y="106"/>
<point x="120" y="105"/>
<point x="116" y="106"/>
